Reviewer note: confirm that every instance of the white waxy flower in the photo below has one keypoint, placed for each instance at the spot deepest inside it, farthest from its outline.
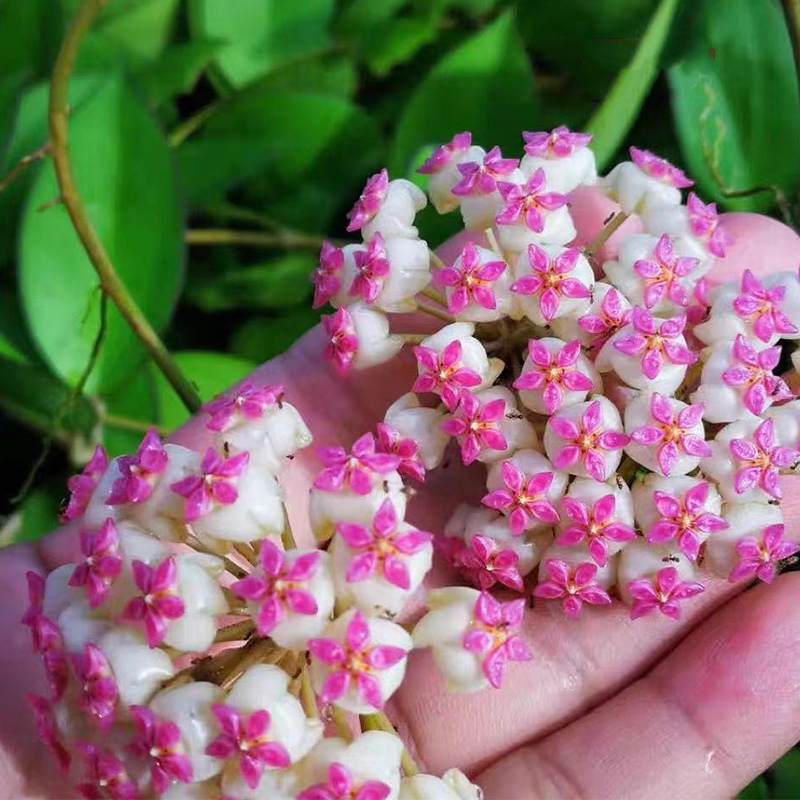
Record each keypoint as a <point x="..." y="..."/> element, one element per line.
<point x="745" y="520"/>
<point x="442" y="169"/>
<point x="653" y="272"/>
<point x="667" y="436"/>
<point x="552" y="282"/>
<point x="786" y="418"/>
<point x="453" y="785"/>
<point x="564" y="157"/>
<point x="527" y="489"/>
<point x="586" y="439"/>
<point x="378" y="567"/>
<point x="290" y="596"/>
<point x="367" y="767"/>
<point x="555" y="374"/>
<point x="645" y="183"/>
<point x="607" y="311"/>
<point x="80" y="625"/>
<point x="259" y="421"/>
<point x="574" y="556"/>
<point x="472" y="636"/>
<point x="420" y="424"/>
<point x="387" y="207"/>
<point x="189" y="707"/>
<point x="642" y="560"/>
<point x="358" y="337"/>
<point x="359" y="662"/>
<point x="386" y="273"/>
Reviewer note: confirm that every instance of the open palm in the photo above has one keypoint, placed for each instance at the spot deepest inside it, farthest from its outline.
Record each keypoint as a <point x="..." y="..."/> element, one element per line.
<point x="607" y="708"/>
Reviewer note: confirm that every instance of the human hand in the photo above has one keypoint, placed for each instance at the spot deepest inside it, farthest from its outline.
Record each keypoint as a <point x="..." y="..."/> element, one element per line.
<point x="607" y="708"/>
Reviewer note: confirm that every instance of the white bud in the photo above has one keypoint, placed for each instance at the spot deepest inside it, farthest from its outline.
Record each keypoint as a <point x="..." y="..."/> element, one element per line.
<point x="396" y="216"/>
<point x="563" y="174"/>
<point x="643" y="560"/>
<point x="414" y="421"/>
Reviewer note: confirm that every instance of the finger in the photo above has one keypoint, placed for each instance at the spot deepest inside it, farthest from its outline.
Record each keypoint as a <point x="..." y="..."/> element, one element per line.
<point x="703" y="723"/>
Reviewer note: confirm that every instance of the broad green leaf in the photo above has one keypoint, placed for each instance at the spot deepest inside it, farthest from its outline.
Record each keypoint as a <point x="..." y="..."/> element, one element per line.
<point x="786" y="775"/>
<point x="757" y="790"/>
<point x="14" y="340"/>
<point x="10" y="86"/>
<point x="36" y="517"/>
<point x="586" y="41"/>
<point x="612" y="121"/>
<point x="279" y="283"/>
<point x="124" y="172"/>
<point x="260" y="35"/>
<point x="485" y="85"/>
<point x="211" y="373"/>
<point x="177" y="71"/>
<point x="736" y="112"/>
<point x="280" y="137"/>
<point x="30" y="35"/>
<point x="29" y="134"/>
<point x="263" y="338"/>
<point x="136" y="401"/>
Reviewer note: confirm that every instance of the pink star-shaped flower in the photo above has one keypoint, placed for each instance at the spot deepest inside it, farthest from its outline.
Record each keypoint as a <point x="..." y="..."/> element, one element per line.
<point x="372" y="267"/>
<point x="104" y="775"/>
<point x="158" y="742"/>
<point x="553" y="375"/>
<point x="662" y="274"/>
<point x="101" y="562"/>
<point x="471" y="280"/>
<point x="406" y="449"/>
<point x="576" y="584"/>
<point x="47" y="637"/>
<point x="444" y="373"/>
<point x="138" y="471"/>
<point x="246" y="738"/>
<point x="761" y="460"/>
<point x="558" y="143"/>
<point x="247" y="403"/>
<point x="444" y="154"/>
<point x="585" y="441"/>
<point x="159" y="601"/>
<point x="327" y="277"/>
<point x="342" y="343"/>
<point x="482" y="178"/>
<point x="760" y="307"/>
<point x="654" y="342"/>
<point x="99" y="692"/>
<point x="529" y="202"/>
<point x="485" y="563"/>
<point x="216" y="485"/>
<point x="684" y="520"/>
<point x="47" y="729"/>
<point x="603" y="325"/>
<point x="551" y="280"/>
<point x="353" y="662"/>
<point x="282" y="588"/>
<point x="476" y="425"/>
<point x="356" y="471"/>
<point x="698" y="309"/>
<point x="704" y="224"/>
<point x="525" y="496"/>
<point x="81" y="487"/>
<point x="672" y="432"/>
<point x="759" y="556"/>
<point x="370" y="201"/>
<point x="341" y="785"/>
<point x="659" y="168"/>
<point x="595" y="524"/>
<point x="382" y="549"/>
<point x="33" y="612"/>
<point x="753" y="374"/>
<point x="494" y="632"/>
<point x="664" y="592"/>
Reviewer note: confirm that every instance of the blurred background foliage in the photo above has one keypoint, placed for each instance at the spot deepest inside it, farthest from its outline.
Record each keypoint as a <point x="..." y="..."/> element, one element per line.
<point x="216" y="142"/>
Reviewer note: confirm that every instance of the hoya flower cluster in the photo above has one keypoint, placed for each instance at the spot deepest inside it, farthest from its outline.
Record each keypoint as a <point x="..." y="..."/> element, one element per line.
<point x="630" y="424"/>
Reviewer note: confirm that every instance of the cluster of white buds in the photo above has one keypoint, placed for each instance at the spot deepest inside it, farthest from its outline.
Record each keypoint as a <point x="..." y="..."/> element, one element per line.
<point x="631" y="427"/>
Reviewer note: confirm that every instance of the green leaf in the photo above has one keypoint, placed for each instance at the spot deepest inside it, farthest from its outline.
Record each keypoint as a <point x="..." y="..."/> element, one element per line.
<point x="279" y="283"/>
<point x="123" y="169"/>
<point x="264" y="338"/>
<point x="280" y="137"/>
<point x="36" y="517"/>
<point x="177" y="71"/>
<point x="786" y="775"/>
<point x="30" y="35"/>
<point x="14" y="340"/>
<point x="211" y="373"/>
<point x="485" y="85"/>
<point x="30" y="133"/>
<point x="612" y="121"/>
<point x="757" y="790"/>
<point x="737" y="115"/>
<point x="136" y="400"/>
<point x="260" y="35"/>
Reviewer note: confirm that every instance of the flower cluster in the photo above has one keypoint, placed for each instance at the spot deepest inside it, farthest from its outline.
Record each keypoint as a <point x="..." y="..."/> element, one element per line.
<point x="195" y="648"/>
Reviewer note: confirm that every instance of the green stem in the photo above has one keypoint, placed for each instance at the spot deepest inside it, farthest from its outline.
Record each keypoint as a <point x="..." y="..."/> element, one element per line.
<point x="608" y="231"/>
<point x="280" y="239"/>
<point x="127" y="424"/>
<point x="110" y="281"/>
<point x="791" y="10"/>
